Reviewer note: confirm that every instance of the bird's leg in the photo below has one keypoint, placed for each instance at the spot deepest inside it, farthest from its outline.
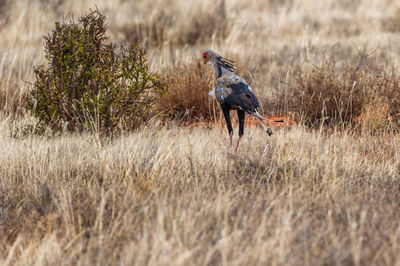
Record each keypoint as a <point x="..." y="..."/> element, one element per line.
<point x="231" y="137"/>
<point x="226" y="110"/>
<point x="237" y="145"/>
<point x="241" y="115"/>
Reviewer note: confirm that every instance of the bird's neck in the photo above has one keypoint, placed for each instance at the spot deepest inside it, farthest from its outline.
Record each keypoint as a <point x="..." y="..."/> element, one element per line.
<point x="220" y="70"/>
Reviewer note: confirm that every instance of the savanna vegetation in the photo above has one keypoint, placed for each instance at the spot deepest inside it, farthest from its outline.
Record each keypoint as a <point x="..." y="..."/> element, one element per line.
<point x="113" y="153"/>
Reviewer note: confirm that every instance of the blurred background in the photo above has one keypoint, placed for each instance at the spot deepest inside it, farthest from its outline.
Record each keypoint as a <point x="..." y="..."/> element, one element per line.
<point x="269" y="39"/>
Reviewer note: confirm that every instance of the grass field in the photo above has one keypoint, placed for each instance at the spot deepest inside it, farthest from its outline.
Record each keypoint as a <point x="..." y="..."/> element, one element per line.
<point x="168" y="194"/>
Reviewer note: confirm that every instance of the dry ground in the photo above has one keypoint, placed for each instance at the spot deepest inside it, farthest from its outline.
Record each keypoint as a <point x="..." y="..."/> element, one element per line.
<point x="168" y="195"/>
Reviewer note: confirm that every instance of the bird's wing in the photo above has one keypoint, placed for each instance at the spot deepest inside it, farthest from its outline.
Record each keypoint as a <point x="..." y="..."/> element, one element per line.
<point x="253" y="97"/>
<point x="235" y="91"/>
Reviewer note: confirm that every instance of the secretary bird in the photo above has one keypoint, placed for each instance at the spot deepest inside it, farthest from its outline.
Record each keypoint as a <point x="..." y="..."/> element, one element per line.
<point x="232" y="92"/>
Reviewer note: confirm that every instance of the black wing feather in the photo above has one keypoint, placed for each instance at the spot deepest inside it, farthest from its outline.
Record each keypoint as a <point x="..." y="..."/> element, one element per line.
<point x="243" y="97"/>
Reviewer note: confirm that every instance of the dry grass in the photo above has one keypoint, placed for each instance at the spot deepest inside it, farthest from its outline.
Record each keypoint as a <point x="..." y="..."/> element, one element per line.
<point x="167" y="195"/>
<point x="336" y="96"/>
<point x="188" y="99"/>
<point x="178" y="196"/>
<point x="201" y="25"/>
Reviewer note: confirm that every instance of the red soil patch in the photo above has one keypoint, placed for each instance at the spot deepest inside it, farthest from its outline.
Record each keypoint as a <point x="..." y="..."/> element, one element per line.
<point x="249" y="122"/>
<point x="287" y="121"/>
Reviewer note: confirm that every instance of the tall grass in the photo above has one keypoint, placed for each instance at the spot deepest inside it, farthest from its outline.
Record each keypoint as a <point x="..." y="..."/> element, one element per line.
<point x="335" y="95"/>
<point x="188" y="98"/>
<point x="178" y="196"/>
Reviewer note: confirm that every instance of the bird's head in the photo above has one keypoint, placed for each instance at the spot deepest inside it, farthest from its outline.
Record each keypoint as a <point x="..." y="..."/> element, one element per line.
<point x="208" y="56"/>
<point x="213" y="57"/>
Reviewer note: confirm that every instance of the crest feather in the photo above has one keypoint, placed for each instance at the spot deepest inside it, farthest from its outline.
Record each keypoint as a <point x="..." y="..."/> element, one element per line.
<point x="226" y="63"/>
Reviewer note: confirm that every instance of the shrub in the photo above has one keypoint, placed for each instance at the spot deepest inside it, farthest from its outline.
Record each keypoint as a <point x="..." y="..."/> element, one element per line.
<point x="337" y="95"/>
<point x="188" y="99"/>
<point x="89" y="83"/>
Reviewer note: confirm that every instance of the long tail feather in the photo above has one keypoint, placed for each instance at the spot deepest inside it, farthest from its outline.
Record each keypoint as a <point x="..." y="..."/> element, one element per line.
<point x="257" y="115"/>
<point x="267" y="129"/>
